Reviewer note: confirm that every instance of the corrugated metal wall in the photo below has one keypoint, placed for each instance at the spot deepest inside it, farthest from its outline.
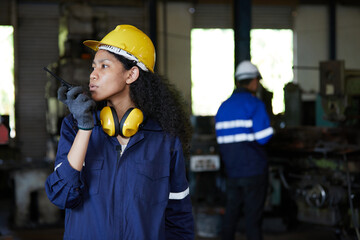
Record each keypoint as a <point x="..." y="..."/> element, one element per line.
<point x="213" y="16"/>
<point x="37" y="46"/>
<point x="5" y="12"/>
<point x="221" y="16"/>
<point x="273" y="17"/>
<point x="123" y="15"/>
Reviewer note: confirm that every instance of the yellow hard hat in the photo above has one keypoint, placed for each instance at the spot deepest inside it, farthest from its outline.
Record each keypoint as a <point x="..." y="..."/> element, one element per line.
<point x="130" y="42"/>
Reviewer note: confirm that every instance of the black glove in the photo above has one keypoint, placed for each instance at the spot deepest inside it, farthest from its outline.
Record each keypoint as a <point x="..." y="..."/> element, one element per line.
<point x="79" y="104"/>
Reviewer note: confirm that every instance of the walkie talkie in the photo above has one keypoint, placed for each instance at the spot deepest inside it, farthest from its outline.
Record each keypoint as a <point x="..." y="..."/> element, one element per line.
<point x="63" y="82"/>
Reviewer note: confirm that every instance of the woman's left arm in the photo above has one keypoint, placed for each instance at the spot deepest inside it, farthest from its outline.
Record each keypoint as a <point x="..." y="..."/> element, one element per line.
<point x="179" y="218"/>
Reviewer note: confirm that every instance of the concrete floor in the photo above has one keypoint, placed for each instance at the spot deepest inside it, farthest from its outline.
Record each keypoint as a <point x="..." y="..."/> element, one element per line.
<point x="307" y="232"/>
<point x="300" y="232"/>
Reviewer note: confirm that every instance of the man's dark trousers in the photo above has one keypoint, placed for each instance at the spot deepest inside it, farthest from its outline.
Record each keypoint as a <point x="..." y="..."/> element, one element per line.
<point x="246" y="195"/>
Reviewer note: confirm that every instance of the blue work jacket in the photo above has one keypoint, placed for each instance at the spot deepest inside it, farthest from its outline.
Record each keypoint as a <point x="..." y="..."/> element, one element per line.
<point x="242" y="125"/>
<point x="140" y="193"/>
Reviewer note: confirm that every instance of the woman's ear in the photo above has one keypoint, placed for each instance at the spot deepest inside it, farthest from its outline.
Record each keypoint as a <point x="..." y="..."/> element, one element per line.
<point x="133" y="75"/>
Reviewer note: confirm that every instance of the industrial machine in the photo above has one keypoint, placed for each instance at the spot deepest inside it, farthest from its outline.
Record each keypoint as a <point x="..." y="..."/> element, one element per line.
<point x="319" y="171"/>
<point x="340" y="93"/>
<point x="319" y="166"/>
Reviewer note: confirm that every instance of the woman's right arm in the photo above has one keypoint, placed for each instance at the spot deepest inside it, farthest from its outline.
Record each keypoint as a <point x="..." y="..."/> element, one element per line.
<point x="64" y="185"/>
<point x="76" y="156"/>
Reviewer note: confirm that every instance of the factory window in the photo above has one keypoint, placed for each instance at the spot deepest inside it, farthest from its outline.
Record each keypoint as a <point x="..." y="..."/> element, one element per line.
<point x="272" y="52"/>
<point x="7" y="92"/>
<point x="212" y="66"/>
<point x="212" y="69"/>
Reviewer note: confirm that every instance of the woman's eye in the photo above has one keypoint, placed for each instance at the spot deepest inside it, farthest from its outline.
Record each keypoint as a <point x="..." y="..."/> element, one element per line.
<point x="104" y="66"/>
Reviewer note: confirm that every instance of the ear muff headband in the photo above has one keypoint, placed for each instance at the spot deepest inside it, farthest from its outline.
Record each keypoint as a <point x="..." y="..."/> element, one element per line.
<point x="128" y="126"/>
<point x="130" y="122"/>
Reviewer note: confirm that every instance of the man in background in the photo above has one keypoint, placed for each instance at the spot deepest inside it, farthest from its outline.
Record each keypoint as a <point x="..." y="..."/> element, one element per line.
<point x="242" y="126"/>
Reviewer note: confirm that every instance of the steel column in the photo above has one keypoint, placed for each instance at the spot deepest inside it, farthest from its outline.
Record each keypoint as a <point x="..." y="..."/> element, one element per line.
<point x="242" y="27"/>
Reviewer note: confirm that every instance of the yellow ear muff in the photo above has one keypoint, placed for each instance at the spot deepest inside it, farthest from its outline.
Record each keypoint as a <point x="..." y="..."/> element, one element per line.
<point x="130" y="122"/>
<point x="109" y="121"/>
<point x="128" y="126"/>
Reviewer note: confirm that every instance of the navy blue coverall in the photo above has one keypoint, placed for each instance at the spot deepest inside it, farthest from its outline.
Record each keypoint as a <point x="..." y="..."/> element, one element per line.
<point x="139" y="193"/>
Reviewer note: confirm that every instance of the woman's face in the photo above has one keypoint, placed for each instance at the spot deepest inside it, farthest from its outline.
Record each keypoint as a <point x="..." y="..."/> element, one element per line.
<point x="108" y="78"/>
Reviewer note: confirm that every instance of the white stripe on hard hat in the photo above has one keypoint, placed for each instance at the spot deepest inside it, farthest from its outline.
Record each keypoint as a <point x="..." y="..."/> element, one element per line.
<point x="125" y="54"/>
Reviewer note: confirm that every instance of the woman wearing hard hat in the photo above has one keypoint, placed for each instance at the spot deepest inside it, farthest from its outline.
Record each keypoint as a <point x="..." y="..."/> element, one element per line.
<point x="120" y="169"/>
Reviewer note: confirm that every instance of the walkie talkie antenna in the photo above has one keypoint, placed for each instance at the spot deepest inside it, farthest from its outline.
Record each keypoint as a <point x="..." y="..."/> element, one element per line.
<point x="59" y="78"/>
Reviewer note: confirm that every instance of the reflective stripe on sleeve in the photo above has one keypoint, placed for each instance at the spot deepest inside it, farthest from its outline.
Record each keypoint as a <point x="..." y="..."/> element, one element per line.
<point x="234" y="124"/>
<point x="57" y="166"/>
<point x="264" y="133"/>
<point x="242" y="137"/>
<point x="179" y="195"/>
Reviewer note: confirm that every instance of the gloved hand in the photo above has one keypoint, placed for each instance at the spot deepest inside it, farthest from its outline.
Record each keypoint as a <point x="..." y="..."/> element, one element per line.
<point x="79" y="104"/>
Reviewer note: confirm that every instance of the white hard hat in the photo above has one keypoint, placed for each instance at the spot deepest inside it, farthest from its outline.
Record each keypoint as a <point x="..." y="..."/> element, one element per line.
<point x="246" y="70"/>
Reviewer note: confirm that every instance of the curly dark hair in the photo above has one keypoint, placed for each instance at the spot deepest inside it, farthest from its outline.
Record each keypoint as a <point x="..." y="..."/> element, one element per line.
<point x="162" y="102"/>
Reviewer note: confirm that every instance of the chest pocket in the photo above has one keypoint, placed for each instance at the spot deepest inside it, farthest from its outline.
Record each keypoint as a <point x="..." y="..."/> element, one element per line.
<point x="92" y="174"/>
<point x="152" y="183"/>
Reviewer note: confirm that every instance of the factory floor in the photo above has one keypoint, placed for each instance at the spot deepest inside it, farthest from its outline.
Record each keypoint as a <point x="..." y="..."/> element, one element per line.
<point x="300" y="232"/>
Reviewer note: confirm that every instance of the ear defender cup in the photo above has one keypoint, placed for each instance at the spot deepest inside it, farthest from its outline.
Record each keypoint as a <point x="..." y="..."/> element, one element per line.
<point x="130" y="122"/>
<point x="109" y="121"/>
<point x="128" y="126"/>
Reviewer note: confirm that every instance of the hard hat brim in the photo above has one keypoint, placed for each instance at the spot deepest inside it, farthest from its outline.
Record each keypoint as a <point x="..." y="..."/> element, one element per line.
<point x="94" y="45"/>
